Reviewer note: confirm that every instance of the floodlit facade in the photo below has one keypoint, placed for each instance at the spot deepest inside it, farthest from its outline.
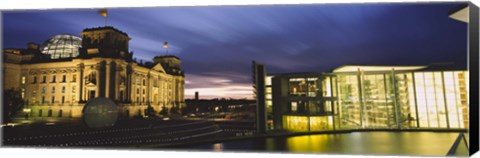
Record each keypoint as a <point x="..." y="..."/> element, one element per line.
<point x="58" y="78"/>
<point x="369" y="97"/>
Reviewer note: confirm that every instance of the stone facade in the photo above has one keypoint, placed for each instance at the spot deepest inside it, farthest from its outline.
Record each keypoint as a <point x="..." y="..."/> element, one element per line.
<point x="103" y="68"/>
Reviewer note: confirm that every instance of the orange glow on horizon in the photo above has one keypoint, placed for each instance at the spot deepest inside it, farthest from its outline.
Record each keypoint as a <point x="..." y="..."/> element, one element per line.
<point x="236" y="92"/>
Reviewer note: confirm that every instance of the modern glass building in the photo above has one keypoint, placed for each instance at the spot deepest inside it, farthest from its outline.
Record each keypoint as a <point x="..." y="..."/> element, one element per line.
<point x="370" y="97"/>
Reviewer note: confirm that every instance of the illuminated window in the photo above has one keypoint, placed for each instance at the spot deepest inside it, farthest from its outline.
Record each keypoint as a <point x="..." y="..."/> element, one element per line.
<point x="297" y="86"/>
<point x="406" y="100"/>
<point x="23" y="79"/>
<point x="461" y="81"/>
<point x="334" y="86"/>
<point x="421" y="99"/>
<point x="74" y="99"/>
<point x="450" y="93"/>
<point x="328" y="106"/>
<point x="305" y="123"/>
<point x="268" y="80"/>
<point x="74" y="89"/>
<point x="326" y="87"/>
<point x="378" y="100"/>
<point x="23" y="93"/>
<point x="268" y="90"/>
<point x="74" y="78"/>
<point x="348" y="93"/>
<point x="269" y="103"/>
<point x="268" y="96"/>
<point x="294" y="107"/>
<point x="312" y="87"/>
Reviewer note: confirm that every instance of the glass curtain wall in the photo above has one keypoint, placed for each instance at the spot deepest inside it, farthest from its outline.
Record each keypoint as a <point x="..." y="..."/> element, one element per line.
<point x="442" y="99"/>
<point x="268" y="101"/>
<point x="305" y="111"/>
<point x="406" y="100"/>
<point x="378" y="101"/>
<point x="392" y="99"/>
<point x="349" y="101"/>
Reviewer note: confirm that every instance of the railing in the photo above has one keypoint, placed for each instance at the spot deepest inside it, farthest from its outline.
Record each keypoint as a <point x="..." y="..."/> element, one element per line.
<point x="454" y="149"/>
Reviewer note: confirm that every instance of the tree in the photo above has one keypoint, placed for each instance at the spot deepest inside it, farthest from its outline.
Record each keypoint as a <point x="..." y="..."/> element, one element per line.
<point x="150" y="111"/>
<point x="174" y="110"/>
<point x="164" y="111"/>
<point x="12" y="103"/>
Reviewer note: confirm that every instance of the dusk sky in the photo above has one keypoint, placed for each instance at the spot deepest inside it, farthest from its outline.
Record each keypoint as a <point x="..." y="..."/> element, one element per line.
<point x="218" y="43"/>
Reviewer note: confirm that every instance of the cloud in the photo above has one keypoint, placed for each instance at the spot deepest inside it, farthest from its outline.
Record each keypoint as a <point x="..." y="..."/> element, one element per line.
<point x="218" y="43"/>
<point x="216" y="86"/>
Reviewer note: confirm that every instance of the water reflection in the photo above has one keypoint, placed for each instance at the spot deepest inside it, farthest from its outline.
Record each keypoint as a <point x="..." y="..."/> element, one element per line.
<point x="218" y="147"/>
<point x="364" y="143"/>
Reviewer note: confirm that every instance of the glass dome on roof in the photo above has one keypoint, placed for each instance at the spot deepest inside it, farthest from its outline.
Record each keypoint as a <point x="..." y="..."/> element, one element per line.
<point x="62" y="46"/>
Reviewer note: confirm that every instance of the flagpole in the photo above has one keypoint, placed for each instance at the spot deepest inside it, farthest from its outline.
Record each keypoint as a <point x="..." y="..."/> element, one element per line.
<point x="104" y="13"/>
<point x="165" y="45"/>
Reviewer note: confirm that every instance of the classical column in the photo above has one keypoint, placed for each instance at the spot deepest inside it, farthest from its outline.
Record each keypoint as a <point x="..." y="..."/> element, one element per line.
<point x="148" y="88"/>
<point x="80" y="68"/>
<point x="132" y="87"/>
<point x="128" y="84"/>
<point x="97" y="78"/>
<point x="112" y="79"/>
<point x="107" y="80"/>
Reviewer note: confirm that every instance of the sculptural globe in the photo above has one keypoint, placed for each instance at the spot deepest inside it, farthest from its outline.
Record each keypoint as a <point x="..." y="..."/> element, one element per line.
<point x="100" y="113"/>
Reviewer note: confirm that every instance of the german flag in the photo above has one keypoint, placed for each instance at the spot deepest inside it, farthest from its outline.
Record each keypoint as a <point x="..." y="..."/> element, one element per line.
<point x="103" y="12"/>
<point x="165" y="45"/>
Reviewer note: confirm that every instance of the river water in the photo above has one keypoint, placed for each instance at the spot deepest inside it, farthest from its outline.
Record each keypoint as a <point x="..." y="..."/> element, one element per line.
<point x="355" y="143"/>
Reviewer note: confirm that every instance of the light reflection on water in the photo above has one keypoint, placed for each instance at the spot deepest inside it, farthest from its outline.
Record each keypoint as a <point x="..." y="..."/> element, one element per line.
<point x="367" y="143"/>
<point x="218" y="147"/>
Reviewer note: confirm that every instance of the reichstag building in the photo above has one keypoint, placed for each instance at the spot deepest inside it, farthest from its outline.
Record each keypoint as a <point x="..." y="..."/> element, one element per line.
<point x="57" y="78"/>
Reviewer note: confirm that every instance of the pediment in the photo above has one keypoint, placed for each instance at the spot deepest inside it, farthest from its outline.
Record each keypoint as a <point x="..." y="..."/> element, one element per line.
<point x="90" y="84"/>
<point x="158" y="67"/>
